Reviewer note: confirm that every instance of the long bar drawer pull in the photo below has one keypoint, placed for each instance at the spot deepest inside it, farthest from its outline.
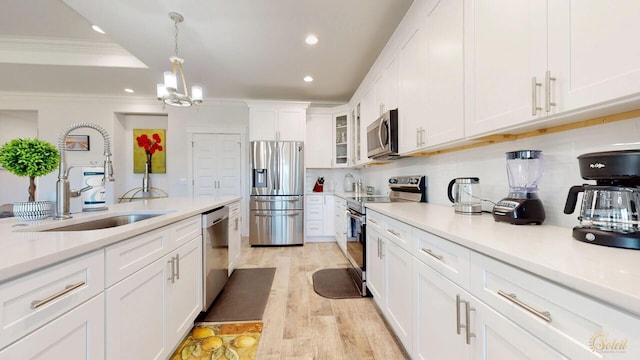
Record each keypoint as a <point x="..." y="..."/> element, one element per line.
<point x="393" y="232"/>
<point x="430" y="252"/>
<point x="544" y="315"/>
<point x="69" y="288"/>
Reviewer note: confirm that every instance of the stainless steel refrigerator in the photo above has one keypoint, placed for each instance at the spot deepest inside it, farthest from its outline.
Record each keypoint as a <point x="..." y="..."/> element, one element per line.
<point x="276" y="208"/>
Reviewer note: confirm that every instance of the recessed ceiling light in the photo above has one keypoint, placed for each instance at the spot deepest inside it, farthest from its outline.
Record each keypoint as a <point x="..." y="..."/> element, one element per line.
<point x="130" y="91"/>
<point x="308" y="78"/>
<point x="97" y="29"/>
<point x="311" y="39"/>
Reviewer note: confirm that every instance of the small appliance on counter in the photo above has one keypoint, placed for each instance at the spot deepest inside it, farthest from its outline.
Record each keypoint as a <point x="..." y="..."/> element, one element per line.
<point x="465" y="195"/>
<point x="609" y="214"/>
<point x="522" y="205"/>
<point x="349" y="180"/>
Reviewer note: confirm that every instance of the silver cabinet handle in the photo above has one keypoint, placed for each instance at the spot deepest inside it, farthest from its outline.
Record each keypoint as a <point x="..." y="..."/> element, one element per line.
<point x="67" y="289"/>
<point x="423" y="133"/>
<point x="534" y="96"/>
<point x="418" y="137"/>
<point x="430" y="252"/>
<point x="237" y="223"/>
<point x="544" y="315"/>
<point x="178" y="266"/>
<point x="393" y="232"/>
<point x="468" y="333"/>
<point x="547" y="86"/>
<point x="173" y="270"/>
<point x="458" y="325"/>
<point x="373" y="221"/>
<point x="379" y="248"/>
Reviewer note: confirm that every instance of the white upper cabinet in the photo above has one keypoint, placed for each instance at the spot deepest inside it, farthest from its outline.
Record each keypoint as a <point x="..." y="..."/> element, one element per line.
<point x="413" y="87"/>
<point x="592" y="51"/>
<point x="319" y="139"/>
<point x="369" y="113"/>
<point x="284" y="121"/>
<point x="341" y="140"/>
<point x="505" y="43"/>
<point x="445" y="72"/>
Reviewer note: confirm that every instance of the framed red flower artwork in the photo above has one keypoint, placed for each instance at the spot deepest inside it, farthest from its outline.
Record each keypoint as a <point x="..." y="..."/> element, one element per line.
<point x="149" y="150"/>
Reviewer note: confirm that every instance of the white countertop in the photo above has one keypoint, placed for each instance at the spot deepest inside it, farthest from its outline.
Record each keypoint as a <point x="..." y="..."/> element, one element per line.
<point x="23" y="249"/>
<point x="611" y="275"/>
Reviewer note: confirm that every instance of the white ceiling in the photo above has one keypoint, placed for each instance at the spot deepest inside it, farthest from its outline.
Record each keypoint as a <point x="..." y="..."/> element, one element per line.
<point x="233" y="48"/>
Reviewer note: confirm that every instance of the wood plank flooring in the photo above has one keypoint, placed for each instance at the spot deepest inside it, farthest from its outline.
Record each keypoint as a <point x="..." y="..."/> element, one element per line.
<point x="300" y="324"/>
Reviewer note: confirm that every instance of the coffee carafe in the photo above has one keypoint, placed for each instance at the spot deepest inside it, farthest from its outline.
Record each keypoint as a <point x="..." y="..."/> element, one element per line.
<point x="522" y="205"/>
<point x="464" y="193"/>
<point x="609" y="210"/>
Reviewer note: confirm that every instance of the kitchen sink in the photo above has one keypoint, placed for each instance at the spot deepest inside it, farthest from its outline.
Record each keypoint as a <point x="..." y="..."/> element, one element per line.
<point x="105" y="223"/>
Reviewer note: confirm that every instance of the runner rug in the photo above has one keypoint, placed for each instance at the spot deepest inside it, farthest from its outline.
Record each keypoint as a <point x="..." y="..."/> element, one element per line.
<point x="231" y="341"/>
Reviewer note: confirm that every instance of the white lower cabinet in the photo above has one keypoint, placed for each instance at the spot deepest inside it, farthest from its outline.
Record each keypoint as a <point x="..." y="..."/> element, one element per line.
<point x="235" y="236"/>
<point x="318" y="217"/>
<point x="340" y="222"/>
<point x="149" y="312"/>
<point x="76" y="335"/>
<point x="445" y="301"/>
<point x="450" y="323"/>
<point x="387" y="268"/>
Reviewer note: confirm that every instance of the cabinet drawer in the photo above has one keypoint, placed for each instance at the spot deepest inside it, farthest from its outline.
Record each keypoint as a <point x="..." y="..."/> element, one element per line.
<point x="29" y="302"/>
<point x="572" y="323"/>
<point x="449" y="259"/>
<point x="315" y="199"/>
<point x="126" y="257"/>
<point x="314" y="212"/>
<point x="314" y="228"/>
<point x="234" y="209"/>
<point x="394" y="230"/>
<point x="185" y="230"/>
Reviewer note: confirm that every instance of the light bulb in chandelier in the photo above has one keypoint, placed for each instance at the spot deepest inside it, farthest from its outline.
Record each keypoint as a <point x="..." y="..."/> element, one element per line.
<point x="169" y="92"/>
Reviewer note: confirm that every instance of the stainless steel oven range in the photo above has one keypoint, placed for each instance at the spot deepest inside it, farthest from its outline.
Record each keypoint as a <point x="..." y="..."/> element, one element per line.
<point x="403" y="188"/>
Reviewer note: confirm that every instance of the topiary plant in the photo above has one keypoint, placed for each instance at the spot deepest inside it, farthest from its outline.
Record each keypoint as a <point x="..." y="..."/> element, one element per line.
<point x="29" y="157"/>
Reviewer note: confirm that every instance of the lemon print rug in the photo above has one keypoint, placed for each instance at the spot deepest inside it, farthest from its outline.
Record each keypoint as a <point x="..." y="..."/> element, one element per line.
<point x="215" y="341"/>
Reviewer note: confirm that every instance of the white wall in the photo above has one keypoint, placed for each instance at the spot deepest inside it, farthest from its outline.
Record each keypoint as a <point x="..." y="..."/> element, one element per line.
<point x="560" y="151"/>
<point x="54" y="113"/>
<point x="16" y="124"/>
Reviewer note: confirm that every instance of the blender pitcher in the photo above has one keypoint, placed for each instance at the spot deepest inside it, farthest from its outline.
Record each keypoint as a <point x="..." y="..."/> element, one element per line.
<point x="522" y="205"/>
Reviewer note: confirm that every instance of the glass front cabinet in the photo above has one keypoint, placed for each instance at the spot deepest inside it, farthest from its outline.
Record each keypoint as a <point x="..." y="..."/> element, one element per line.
<point x="341" y="155"/>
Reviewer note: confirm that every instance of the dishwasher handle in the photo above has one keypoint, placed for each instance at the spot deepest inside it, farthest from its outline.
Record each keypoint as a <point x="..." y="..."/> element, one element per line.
<point x="215" y="216"/>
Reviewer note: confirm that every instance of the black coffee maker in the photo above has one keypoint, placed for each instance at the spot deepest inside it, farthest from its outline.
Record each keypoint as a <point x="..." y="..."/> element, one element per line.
<point x="609" y="213"/>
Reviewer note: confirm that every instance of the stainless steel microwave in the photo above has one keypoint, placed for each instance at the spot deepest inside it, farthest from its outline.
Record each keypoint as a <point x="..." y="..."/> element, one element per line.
<point x="382" y="136"/>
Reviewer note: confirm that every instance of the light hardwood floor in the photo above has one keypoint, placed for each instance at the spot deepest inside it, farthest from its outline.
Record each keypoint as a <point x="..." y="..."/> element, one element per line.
<point x="300" y="324"/>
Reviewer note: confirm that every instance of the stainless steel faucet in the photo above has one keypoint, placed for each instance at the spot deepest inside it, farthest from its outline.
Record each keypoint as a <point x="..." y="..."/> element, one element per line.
<point x="63" y="191"/>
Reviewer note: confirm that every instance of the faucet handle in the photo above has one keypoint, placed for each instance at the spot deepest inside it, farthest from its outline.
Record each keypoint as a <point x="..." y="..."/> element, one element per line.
<point x="76" y="193"/>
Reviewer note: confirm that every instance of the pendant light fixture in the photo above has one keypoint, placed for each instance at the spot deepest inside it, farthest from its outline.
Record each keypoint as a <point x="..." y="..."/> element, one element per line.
<point x="168" y="92"/>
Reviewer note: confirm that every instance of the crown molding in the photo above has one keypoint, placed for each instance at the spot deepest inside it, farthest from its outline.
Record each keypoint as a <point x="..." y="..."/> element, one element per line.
<point x="52" y="51"/>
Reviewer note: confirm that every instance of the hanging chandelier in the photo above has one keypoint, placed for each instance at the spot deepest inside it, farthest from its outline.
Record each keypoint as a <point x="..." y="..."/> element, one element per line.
<point x="168" y="92"/>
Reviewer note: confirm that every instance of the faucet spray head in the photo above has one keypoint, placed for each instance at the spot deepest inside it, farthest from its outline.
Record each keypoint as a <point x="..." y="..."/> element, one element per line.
<point x="108" y="169"/>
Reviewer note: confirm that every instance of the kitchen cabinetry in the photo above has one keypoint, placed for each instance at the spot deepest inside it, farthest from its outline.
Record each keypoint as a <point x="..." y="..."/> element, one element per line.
<point x="78" y="334"/>
<point x="506" y="64"/>
<point x="319" y="130"/>
<point x="388" y="264"/>
<point x="235" y="236"/>
<point x="318" y="217"/>
<point x="357" y="154"/>
<point x="590" y="55"/>
<point x="277" y="121"/>
<point x="386" y="86"/>
<point x="550" y="62"/>
<point x="341" y="134"/>
<point x="466" y="305"/>
<point x="340" y="222"/>
<point x="155" y="292"/>
<point x="62" y="302"/>
<point x="368" y="114"/>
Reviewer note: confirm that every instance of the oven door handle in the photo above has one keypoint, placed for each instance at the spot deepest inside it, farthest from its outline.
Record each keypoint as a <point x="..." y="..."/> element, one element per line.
<point x="354" y="216"/>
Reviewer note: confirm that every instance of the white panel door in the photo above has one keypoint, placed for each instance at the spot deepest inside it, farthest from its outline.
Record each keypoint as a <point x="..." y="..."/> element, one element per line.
<point x="319" y="144"/>
<point x="445" y="72"/>
<point x="76" y="335"/>
<point x="291" y="124"/>
<point x="505" y="45"/>
<point x="216" y="165"/>
<point x="398" y="292"/>
<point x="594" y="53"/>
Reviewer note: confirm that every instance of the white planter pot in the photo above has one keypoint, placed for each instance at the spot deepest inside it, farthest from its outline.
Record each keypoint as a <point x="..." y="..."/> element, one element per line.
<point x="32" y="210"/>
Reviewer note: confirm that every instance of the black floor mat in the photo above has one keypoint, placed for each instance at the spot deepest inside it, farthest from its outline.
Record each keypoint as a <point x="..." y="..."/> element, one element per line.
<point x="335" y="284"/>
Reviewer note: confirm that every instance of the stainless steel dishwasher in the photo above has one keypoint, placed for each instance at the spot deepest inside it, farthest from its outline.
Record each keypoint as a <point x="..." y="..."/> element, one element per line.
<point x="215" y="253"/>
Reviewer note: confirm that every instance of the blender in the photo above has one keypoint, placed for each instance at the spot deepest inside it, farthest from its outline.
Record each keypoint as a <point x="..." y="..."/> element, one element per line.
<point x="610" y="209"/>
<point x="522" y="205"/>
